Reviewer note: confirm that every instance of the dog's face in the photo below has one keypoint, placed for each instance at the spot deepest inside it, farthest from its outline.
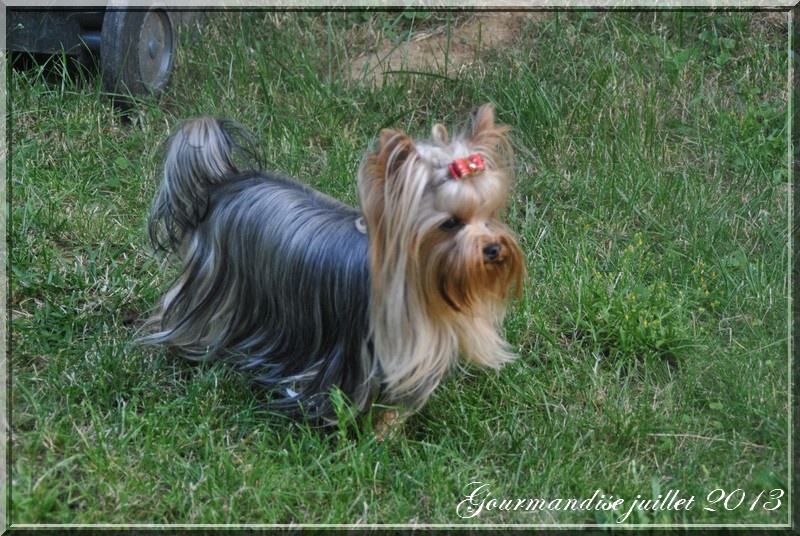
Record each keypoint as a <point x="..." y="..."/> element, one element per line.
<point x="443" y="228"/>
<point x="466" y="253"/>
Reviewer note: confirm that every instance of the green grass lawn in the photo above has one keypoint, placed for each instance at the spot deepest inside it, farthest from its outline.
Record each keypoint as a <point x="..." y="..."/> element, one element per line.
<point x="651" y="200"/>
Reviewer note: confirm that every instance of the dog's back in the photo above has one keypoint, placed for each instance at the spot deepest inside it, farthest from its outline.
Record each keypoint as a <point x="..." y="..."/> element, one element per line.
<point x="275" y="276"/>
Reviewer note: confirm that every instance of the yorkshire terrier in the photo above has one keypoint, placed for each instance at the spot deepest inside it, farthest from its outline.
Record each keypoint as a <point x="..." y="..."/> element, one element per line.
<point x="309" y="295"/>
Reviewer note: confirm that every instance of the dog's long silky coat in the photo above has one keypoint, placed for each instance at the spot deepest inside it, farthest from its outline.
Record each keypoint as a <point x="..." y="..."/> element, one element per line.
<point x="307" y="294"/>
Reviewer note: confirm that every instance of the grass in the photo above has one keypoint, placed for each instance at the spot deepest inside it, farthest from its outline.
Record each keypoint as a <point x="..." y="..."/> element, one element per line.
<point x="651" y="201"/>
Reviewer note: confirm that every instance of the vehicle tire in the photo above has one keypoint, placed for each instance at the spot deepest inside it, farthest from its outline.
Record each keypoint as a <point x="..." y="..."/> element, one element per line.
<point x="137" y="51"/>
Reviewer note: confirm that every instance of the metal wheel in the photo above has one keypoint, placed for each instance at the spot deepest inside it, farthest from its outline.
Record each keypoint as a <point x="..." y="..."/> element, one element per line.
<point x="137" y="50"/>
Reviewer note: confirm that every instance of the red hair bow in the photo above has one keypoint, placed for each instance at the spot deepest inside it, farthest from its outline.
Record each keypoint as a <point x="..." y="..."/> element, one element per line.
<point x="464" y="167"/>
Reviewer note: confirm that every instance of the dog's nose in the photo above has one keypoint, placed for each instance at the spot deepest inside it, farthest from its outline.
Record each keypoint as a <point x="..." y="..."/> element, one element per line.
<point x="491" y="252"/>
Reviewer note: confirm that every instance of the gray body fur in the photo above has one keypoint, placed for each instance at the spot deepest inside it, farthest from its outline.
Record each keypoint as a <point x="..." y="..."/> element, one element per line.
<point x="275" y="278"/>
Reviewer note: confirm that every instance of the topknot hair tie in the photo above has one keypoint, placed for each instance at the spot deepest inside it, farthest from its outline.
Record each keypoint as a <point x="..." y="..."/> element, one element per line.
<point x="463" y="167"/>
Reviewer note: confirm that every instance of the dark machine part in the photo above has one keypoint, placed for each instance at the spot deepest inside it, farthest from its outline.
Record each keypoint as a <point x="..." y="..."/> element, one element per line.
<point x="54" y="32"/>
<point x="136" y="47"/>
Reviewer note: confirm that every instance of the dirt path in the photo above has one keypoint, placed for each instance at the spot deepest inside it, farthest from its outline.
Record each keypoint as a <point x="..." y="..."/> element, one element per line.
<point x="431" y="51"/>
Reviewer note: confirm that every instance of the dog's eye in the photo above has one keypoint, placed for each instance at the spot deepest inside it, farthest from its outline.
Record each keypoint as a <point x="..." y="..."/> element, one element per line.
<point x="452" y="224"/>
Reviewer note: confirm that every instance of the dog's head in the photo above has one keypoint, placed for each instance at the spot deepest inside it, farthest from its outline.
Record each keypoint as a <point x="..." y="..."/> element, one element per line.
<point x="433" y="213"/>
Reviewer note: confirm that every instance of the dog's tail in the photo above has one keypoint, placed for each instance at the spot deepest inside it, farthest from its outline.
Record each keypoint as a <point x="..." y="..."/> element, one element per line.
<point x="204" y="152"/>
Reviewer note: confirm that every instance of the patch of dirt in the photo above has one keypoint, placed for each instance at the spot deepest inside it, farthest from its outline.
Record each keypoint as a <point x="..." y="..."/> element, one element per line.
<point x="431" y="51"/>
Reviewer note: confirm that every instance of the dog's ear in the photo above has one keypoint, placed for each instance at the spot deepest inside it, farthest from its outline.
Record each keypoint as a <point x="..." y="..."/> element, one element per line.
<point x="484" y="131"/>
<point x="394" y="149"/>
<point x="379" y="176"/>
<point x="439" y="134"/>
<point x="380" y="170"/>
<point x="484" y="119"/>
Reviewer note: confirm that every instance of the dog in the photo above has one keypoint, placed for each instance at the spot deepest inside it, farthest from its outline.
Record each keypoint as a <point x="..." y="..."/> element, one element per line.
<point x="308" y="295"/>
